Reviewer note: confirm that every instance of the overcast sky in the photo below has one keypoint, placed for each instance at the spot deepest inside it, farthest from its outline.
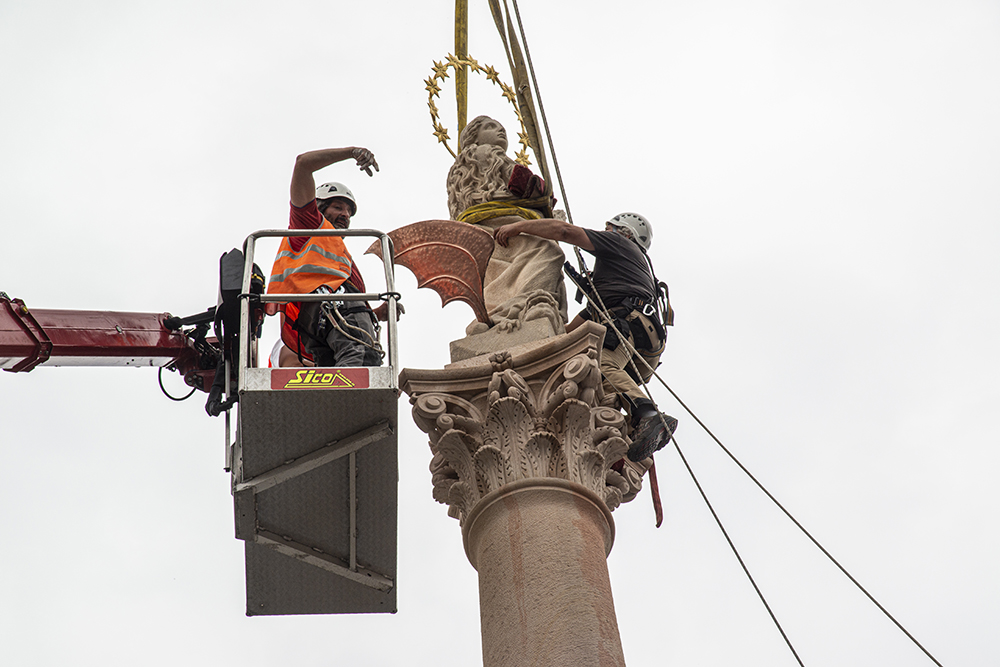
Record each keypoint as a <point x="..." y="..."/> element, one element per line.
<point x="822" y="178"/>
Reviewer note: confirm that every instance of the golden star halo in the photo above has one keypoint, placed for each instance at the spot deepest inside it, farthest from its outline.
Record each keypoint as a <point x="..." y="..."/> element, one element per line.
<point x="433" y="89"/>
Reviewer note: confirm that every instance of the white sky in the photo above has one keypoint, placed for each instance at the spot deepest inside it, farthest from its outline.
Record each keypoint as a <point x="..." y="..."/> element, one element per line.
<point x="822" y="178"/>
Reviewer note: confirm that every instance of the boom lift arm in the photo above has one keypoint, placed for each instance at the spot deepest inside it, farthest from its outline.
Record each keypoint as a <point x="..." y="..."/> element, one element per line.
<point x="35" y="337"/>
<point x="38" y="337"/>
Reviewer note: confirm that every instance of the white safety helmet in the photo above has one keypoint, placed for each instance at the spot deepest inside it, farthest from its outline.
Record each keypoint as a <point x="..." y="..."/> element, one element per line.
<point x="334" y="189"/>
<point x="638" y="226"/>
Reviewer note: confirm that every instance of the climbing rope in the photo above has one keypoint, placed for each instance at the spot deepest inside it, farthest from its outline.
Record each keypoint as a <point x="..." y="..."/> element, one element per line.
<point x="736" y="552"/>
<point x="541" y="111"/>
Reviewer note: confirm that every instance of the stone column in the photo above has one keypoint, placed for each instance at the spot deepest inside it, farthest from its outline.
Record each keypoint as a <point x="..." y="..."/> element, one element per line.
<point x="522" y="453"/>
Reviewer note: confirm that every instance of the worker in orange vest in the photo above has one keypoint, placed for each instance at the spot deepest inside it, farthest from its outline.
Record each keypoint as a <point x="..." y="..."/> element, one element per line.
<point x="331" y="333"/>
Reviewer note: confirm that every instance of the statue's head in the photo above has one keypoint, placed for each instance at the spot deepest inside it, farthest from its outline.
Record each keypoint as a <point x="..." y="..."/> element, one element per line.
<point x="483" y="130"/>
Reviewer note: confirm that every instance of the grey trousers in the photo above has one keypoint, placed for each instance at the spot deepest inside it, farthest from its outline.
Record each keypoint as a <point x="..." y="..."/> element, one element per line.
<point x="341" y="351"/>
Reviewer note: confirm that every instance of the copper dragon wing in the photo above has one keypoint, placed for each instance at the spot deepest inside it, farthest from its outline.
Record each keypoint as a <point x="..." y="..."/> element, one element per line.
<point x="447" y="256"/>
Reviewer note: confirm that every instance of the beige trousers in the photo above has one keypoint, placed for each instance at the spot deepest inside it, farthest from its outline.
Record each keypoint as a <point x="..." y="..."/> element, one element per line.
<point x="614" y="363"/>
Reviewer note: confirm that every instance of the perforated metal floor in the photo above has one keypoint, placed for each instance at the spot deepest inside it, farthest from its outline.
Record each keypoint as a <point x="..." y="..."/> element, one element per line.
<point x="315" y="490"/>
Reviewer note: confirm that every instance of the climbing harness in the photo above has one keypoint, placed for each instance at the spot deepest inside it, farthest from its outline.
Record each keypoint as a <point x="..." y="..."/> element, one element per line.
<point x="316" y="319"/>
<point x="334" y="315"/>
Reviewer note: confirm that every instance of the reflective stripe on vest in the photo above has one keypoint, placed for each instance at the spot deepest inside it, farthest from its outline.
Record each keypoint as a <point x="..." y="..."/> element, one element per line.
<point x="323" y="260"/>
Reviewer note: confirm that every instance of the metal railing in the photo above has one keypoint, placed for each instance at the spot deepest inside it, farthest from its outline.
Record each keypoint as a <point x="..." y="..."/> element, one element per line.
<point x="390" y="295"/>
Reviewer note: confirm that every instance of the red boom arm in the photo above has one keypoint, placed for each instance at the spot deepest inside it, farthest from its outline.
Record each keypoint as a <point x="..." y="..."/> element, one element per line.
<point x="30" y="338"/>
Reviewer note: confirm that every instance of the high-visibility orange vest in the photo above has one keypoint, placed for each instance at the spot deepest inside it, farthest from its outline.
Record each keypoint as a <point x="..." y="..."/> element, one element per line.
<point x="323" y="260"/>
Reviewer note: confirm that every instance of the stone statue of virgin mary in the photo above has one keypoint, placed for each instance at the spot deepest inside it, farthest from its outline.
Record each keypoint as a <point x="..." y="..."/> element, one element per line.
<point x="523" y="287"/>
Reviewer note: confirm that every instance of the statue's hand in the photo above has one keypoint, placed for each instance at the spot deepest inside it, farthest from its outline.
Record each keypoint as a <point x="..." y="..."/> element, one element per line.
<point x="365" y="159"/>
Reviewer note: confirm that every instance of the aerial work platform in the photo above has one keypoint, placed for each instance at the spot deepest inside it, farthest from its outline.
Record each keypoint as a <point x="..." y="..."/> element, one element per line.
<point x="314" y="475"/>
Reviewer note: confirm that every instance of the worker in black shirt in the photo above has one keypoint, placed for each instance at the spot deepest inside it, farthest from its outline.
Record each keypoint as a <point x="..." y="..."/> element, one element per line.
<point x="625" y="285"/>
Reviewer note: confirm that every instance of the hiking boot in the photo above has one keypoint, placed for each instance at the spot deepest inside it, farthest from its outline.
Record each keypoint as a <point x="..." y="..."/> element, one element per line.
<point x="650" y="436"/>
<point x="642" y="408"/>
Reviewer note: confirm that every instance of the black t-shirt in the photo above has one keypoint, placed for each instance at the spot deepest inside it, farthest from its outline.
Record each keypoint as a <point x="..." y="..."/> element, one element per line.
<point x="620" y="269"/>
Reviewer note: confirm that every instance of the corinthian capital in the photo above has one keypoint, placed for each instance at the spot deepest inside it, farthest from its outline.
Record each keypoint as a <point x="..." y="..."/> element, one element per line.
<point x="521" y="414"/>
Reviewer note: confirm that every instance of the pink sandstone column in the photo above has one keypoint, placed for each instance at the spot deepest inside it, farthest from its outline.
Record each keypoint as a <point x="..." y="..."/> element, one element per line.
<point x="540" y="547"/>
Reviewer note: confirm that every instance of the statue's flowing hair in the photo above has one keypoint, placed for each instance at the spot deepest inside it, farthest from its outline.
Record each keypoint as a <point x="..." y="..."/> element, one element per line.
<point x="480" y="172"/>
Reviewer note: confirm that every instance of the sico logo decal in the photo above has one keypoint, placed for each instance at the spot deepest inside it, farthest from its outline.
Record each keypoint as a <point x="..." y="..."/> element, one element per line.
<point x="319" y="378"/>
<point x="315" y="379"/>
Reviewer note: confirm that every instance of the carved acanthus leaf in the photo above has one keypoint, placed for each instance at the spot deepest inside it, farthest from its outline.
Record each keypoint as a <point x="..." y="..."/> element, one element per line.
<point x="491" y="469"/>
<point x="462" y="498"/>
<point x="454" y="447"/>
<point x="543" y="456"/>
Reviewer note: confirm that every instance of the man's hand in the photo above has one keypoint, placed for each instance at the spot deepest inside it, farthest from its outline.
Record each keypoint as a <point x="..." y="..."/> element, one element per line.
<point x="504" y="234"/>
<point x="365" y="159"/>
<point x="382" y="311"/>
<point x="303" y="188"/>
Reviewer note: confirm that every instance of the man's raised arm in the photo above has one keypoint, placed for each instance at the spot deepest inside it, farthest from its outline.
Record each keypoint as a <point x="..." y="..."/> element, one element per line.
<point x="303" y="188"/>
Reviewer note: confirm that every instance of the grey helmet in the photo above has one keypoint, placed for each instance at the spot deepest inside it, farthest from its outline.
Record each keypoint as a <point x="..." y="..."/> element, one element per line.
<point x="638" y="227"/>
<point x="334" y="189"/>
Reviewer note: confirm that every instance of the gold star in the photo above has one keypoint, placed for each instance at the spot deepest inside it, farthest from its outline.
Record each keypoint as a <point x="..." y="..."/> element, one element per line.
<point x="492" y="74"/>
<point x="453" y="61"/>
<point x="471" y="62"/>
<point x="522" y="158"/>
<point x="432" y="87"/>
<point x="441" y="133"/>
<point x="440" y="70"/>
<point x="522" y="138"/>
<point x="508" y="92"/>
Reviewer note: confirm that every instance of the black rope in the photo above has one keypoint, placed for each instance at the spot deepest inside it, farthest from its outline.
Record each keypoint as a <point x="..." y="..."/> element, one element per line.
<point x="774" y="500"/>
<point x="159" y="377"/>
<point x="797" y="524"/>
<point x="736" y="552"/>
<point x="771" y="497"/>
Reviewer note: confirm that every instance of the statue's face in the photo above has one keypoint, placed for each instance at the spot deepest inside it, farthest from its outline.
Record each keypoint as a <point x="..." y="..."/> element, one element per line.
<point x="492" y="133"/>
